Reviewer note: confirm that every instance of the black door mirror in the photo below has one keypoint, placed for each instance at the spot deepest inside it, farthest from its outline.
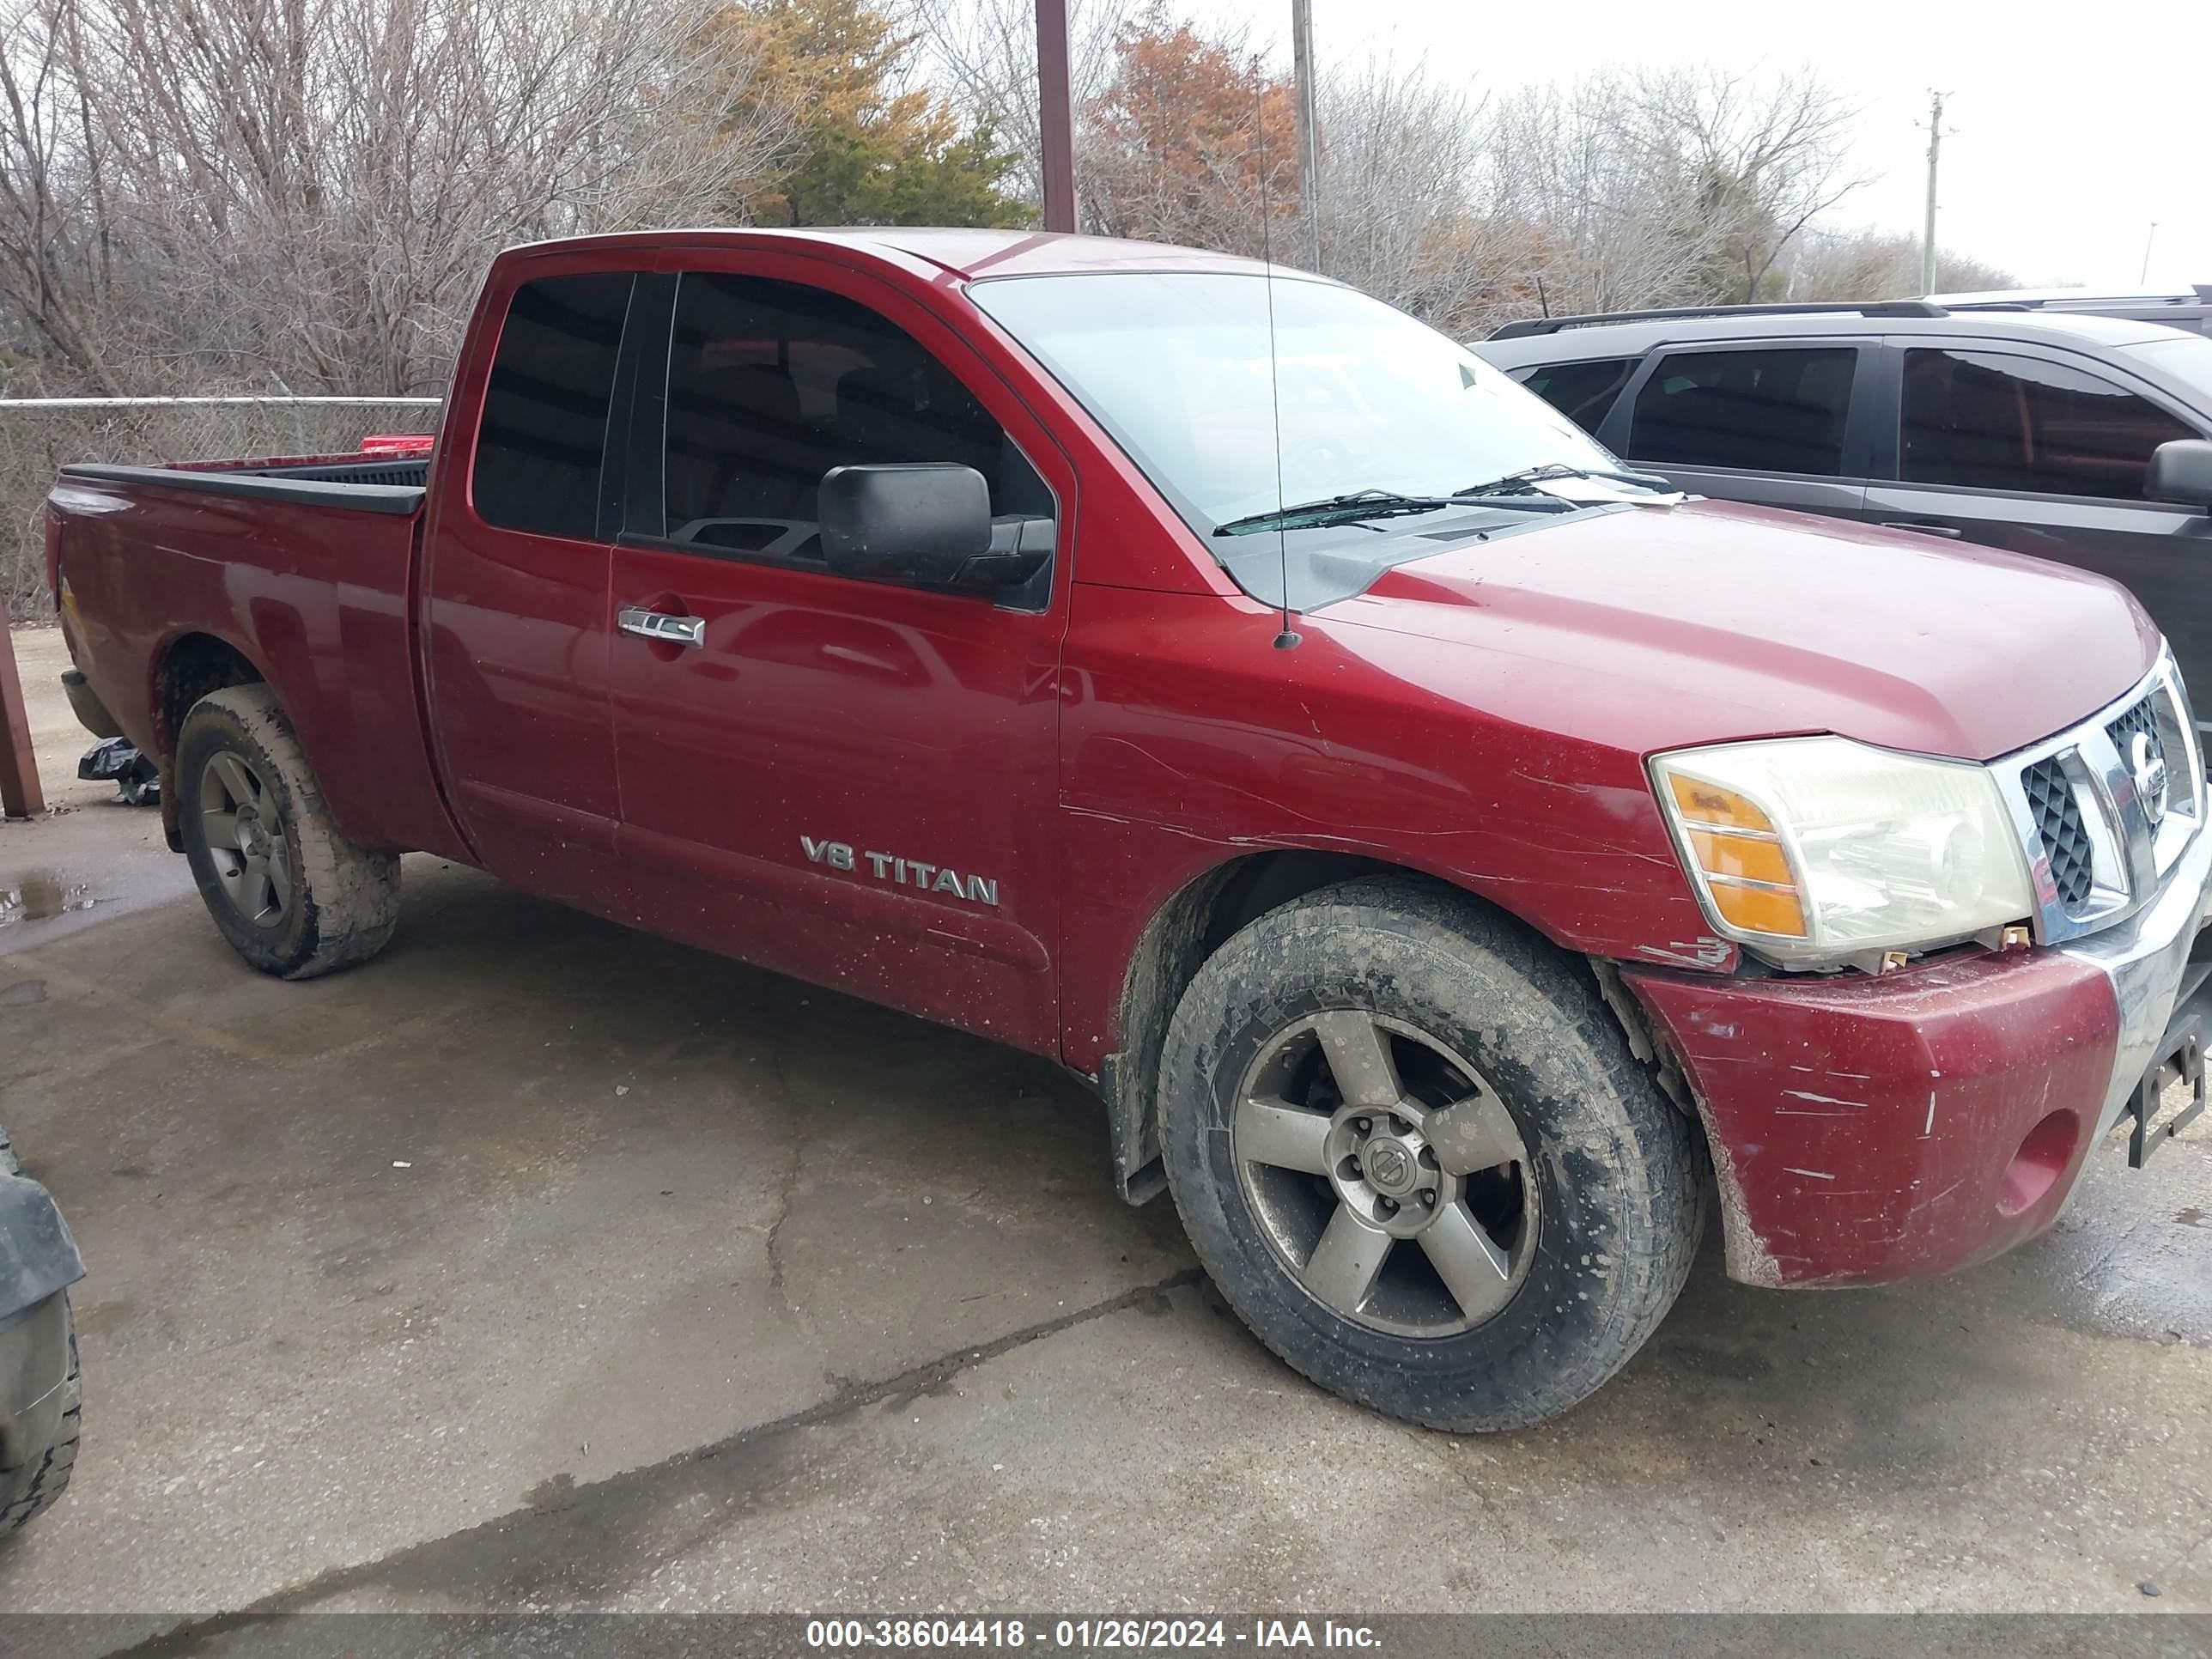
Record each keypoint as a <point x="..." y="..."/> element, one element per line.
<point x="921" y="523"/>
<point x="2181" y="471"/>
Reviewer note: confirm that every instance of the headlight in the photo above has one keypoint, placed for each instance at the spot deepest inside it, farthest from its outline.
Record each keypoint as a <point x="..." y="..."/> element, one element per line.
<point x="1819" y="851"/>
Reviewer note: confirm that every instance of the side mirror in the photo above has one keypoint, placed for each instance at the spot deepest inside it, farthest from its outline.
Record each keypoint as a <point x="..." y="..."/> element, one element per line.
<point x="919" y="523"/>
<point x="2181" y="471"/>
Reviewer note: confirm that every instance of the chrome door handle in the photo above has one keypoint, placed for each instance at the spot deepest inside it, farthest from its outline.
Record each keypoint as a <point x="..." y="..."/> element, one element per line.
<point x="659" y="625"/>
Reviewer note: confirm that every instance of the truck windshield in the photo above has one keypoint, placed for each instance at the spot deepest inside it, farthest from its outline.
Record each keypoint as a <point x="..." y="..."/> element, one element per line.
<point x="1177" y="367"/>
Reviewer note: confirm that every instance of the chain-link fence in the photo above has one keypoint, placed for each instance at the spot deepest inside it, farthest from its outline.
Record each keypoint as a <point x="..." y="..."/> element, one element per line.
<point x="38" y="435"/>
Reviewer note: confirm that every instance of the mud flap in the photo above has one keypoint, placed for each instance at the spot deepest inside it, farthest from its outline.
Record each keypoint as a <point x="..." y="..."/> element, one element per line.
<point x="1132" y="1136"/>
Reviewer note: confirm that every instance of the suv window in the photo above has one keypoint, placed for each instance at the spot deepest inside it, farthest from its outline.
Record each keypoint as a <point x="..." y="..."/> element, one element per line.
<point x="544" y="426"/>
<point x="1993" y="421"/>
<point x="1584" y="392"/>
<point x="771" y="384"/>
<point x="1766" y="411"/>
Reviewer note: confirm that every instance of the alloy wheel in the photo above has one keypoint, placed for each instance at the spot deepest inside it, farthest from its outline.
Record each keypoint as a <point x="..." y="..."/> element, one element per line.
<point x="1386" y="1174"/>
<point x="244" y="832"/>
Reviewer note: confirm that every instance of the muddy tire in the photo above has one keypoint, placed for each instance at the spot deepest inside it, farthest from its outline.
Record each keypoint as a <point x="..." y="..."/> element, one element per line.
<point x="1411" y="1148"/>
<point x="57" y="1460"/>
<point x="292" y="895"/>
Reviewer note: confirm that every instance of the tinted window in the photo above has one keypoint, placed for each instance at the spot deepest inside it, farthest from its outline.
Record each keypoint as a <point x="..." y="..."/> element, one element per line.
<point x="1584" y="392"/>
<point x="772" y="384"/>
<point x="1994" y="421"/>
<point x="1768" y="411"/>
<point x="545" y="409"/>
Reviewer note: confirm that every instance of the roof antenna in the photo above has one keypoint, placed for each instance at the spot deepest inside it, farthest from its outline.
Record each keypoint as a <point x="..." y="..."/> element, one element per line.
<point x="1288" y="638"/>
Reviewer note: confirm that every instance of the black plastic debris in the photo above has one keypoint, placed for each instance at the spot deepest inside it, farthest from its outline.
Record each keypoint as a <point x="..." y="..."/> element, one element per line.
<point x="137" y="779"/>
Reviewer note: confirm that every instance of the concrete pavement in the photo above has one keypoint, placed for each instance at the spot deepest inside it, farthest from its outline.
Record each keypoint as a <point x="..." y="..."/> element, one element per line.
<point x="539" y="1263"/>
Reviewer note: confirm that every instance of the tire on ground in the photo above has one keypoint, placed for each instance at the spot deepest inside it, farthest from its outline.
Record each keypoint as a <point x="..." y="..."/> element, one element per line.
<point x="57" y="1460"/>
<point x="344" y="900"/>
<point x="1620" y="1174"/>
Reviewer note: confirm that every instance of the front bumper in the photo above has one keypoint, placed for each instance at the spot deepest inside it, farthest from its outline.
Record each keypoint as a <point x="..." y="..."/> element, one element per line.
<point x="1871" y="1129"/>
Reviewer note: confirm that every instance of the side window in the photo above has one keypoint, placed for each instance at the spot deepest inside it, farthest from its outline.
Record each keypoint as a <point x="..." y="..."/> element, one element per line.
<point x="545" y="409"/>
<point x="1993" y="421"/>
<point x="1766" y="411"/>
<point x="1584" y="392"/>
<point x="771" y="384"/>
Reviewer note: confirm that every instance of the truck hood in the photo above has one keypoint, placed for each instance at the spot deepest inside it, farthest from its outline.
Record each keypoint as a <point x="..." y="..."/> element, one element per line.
<point x="1652" y="627"/>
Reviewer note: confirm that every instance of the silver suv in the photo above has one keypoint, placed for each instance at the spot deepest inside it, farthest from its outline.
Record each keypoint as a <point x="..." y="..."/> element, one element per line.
<point x="2078" y="438"/>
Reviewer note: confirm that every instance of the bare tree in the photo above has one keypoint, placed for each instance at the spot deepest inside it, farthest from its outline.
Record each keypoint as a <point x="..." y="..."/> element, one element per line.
<point x="983" y="54"/>
<point x="1876" y="264"/>
<point x="1591" y="228"/>
<point x="1749" y="161"/>
<point x="305" y="193"/>
<point x="1401" y="160"/>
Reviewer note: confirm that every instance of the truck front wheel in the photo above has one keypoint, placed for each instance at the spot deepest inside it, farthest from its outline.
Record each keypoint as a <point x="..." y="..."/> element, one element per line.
<point x="1412" y="1150"/>
<point x="290" y="891"/>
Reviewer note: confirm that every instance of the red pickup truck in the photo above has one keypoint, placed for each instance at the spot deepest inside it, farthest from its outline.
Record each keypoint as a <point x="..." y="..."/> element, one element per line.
<point x="1449" y="855"/>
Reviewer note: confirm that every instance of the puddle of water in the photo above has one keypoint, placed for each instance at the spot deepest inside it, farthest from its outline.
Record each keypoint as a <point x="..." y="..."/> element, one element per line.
<point x="42" y="895"/>
<point x="24" y="994"/>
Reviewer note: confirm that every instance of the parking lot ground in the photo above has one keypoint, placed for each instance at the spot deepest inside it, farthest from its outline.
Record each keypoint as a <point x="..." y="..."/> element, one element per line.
<point x="542" y="1264"/>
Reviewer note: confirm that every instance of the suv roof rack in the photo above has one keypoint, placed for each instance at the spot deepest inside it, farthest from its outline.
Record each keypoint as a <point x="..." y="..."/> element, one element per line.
<point x="2078" y="299"/>
<point x="1528" y="326"/>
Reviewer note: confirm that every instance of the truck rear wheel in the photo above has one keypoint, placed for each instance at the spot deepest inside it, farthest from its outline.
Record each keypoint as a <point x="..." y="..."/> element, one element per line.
<point x="1412" y="1148"/>
<point x="292" y="895"/>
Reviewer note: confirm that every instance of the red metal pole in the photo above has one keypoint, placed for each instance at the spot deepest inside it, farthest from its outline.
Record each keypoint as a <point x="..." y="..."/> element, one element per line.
<point x="1056" y="115"/>
<point x="20" y="797"/>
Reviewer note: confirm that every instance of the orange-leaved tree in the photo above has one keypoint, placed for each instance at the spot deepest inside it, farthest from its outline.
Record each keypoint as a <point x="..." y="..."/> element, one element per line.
<point x="1194" y="140"/>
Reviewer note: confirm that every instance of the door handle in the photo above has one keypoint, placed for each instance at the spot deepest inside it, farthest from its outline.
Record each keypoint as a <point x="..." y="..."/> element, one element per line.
<point x="659" y="625"/>
<point x="1949" y="529"/>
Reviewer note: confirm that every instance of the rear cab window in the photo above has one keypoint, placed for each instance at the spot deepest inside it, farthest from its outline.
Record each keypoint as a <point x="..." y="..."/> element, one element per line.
<point x="1762" y="410"/>
<point x="1993" y="420"/>
<point x="543" y="437"/>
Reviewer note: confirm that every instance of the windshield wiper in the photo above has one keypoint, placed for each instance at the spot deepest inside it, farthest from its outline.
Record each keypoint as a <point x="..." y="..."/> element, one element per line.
<point x="1360" y="504"/>
<point x="1516" y="484"/>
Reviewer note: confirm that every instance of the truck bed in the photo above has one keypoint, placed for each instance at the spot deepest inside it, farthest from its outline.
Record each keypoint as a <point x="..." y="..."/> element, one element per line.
<point x="382" y="485"/>
<point x="305" y="567"/>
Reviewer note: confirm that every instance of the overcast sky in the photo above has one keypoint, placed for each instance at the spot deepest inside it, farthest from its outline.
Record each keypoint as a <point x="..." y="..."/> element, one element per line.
<point x="2068" y="132"/>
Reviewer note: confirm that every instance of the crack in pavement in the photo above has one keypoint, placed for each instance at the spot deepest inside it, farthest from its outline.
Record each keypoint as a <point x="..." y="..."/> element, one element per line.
<point x="787" y="1188"/>
<point x="560" y="1497"/>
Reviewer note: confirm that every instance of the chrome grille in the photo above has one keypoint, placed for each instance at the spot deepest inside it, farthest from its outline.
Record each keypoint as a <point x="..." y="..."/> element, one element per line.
<point x="2098" y="840"/>
<point x="2059" y="825"/>
<point x="2142" y="718"/>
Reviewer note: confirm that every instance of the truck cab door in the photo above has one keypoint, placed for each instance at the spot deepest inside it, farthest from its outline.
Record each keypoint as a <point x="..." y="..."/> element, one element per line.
<point x="515" y="587"/>
<point x="848" y="780"/>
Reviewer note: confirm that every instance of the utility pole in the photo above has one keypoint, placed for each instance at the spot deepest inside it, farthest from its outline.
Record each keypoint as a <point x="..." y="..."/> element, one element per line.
<point x="1056" y="115"/>
<point x="1301" y="76"/>
<point x="1928" y="232"/>
<point x="2143" y="280"/>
